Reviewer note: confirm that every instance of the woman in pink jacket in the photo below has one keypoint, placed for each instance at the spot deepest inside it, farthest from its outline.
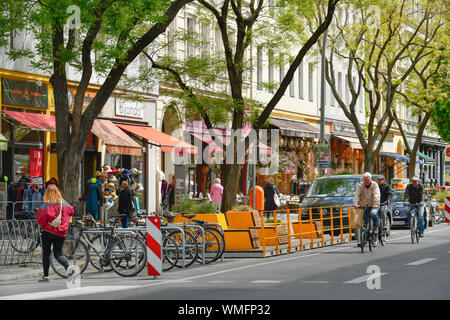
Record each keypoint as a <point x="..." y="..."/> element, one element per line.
<point x="216" y="193"/>
<point x="46" y="214"/>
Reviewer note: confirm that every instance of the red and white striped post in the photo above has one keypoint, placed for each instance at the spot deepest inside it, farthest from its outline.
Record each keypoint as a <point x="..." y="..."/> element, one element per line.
<point x="447" y="209"/>
<point x="154" y="241"/>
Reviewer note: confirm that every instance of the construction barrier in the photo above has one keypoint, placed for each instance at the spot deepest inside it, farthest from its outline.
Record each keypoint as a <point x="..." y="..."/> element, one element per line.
<point x="154" y="245"/>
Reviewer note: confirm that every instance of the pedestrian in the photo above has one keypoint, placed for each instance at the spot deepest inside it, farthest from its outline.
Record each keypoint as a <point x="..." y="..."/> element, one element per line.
<point x="54" y="218"/>
<point x="270" y="190"/>
<point x="164" y="193"/>
<point x="171" y="192"/>
<point x="216" y="193"/>
<point x="125" y="203"/>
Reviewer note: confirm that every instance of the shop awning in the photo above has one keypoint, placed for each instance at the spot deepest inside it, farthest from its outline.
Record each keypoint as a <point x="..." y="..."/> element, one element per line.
<point x="354" y="142"/>
<point x="426" y="159"/>
<point x="395" y="156"/>
<point x="293" y="128"/>
<point x="158" y="138"/>
<point x="116" y="140"/>
<point x="35" y="121"/>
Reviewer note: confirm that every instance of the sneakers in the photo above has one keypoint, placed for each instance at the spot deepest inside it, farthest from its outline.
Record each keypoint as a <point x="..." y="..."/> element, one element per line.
<point x="70" y="273"/>
<point x="385" y="228"/>
<point x="421" y="234"/>
<point x="44" y="279"/>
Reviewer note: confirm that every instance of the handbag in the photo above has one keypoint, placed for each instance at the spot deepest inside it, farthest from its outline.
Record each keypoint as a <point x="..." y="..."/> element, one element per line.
<point x="276" y="200"/>
<point x="57" y="221"/>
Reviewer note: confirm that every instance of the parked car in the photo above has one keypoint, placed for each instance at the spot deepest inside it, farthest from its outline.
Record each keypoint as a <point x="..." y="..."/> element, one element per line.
<point x="400" y="211"/>
<point x="333" y="191"/>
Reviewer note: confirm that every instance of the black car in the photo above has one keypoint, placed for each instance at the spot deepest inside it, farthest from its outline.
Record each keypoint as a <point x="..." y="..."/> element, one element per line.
<point x="333" y="191"/>
<point x="400" y="211"/>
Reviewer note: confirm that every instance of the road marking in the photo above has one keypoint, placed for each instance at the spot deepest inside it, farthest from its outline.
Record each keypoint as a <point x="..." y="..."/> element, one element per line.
<point x="365" y="277"/>
<point x="315" y="281"/>
<point x="266" y="281"/>
<point x="67" y="292"/>
<point x="419" y="262"/>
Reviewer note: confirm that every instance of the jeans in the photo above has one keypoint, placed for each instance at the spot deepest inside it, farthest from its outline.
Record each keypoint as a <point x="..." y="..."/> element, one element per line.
<point x="125" y="222"/>
<point x="374" y="214"/>
<point x="421" y="208"/>
<point x="47" y="240"/>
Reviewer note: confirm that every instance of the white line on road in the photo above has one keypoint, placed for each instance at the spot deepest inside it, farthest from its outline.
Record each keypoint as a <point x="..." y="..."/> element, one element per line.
<point x="419" y="262"/>
<point x="266" y="281"/>
<point x="365" y="277"/>
<point x="315" y="281"/>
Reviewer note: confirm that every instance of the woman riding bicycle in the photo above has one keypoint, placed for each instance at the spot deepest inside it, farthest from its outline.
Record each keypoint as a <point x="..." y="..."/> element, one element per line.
<point x="368" y="194"/>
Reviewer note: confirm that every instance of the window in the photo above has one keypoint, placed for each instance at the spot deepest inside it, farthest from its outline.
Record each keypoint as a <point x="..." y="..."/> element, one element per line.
<point x="281" y="66"/>
<point x="271" y="66"/>
<point x="218" y="41"/>
<point x="170" y="36"/>
<point x="190" y="29"/>
<point x="205" y="39"/>
<point x="300" y="81"/>
<point x="347" y="91"/>
<point x="310" y="82"/>
<point x="259" y="68"/>
<point x="292" y="88"/>
<point x="340" y="84"/>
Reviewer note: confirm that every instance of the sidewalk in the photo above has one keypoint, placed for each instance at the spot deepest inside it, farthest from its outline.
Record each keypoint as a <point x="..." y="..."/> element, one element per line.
<point x="16" y="272"/>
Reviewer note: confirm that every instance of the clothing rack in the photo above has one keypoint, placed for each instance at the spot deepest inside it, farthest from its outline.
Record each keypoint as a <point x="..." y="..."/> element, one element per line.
<point x="26" y="196"/>
<point x="298" y="187"/>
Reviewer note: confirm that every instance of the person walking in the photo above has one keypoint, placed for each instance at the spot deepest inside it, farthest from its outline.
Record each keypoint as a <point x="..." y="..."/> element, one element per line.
<point x="216" y="194"/>
<point x="269" y="193"/>
<point x="125" y="203"/>
<point x="54" y="218"/>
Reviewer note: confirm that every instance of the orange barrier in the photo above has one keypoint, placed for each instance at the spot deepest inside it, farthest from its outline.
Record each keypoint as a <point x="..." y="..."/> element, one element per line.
<point x="305" y="229"/>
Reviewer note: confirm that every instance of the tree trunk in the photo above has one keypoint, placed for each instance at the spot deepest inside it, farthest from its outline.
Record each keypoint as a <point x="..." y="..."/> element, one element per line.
<point x="369" y="161"/>
<point x="230" y="186"/>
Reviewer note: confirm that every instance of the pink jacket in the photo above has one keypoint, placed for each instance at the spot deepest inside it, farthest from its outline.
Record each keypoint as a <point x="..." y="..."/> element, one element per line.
<point x="216" y="193"/>
<point x="48" y="212"/>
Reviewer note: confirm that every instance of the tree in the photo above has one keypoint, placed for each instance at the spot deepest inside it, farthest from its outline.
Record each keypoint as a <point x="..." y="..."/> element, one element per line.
<point x="382" y="46"/>
<point x="241" y="24"/>
<point x="116" y="30"/>
<point x="441" y="119"/>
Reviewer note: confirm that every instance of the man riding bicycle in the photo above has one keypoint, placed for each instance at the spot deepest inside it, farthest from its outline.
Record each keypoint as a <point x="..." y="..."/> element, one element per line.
<point x="414" y="194"/>
<point x="368" y="194"/>
<point x="386" y="193"/>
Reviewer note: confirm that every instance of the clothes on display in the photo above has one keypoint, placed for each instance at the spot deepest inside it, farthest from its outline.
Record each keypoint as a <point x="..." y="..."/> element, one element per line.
<point x="299" y="186"/>
<point x="27" y="197"/>
<point x="92" y="197"/>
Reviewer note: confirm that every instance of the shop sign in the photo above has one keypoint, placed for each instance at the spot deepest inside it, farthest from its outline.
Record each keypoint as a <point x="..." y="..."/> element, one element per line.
<point x="24" y="93"/>
<point x="344" y="129"/>
<point x="130" y="108"/>
<point x="322" y="155"/>
<point x="89" y="95"/>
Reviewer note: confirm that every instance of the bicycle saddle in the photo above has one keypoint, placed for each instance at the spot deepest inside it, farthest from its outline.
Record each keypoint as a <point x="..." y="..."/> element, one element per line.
<point x="187" y="215"/>
<point x="201" y="222"/>
<point x="169" y="217"/>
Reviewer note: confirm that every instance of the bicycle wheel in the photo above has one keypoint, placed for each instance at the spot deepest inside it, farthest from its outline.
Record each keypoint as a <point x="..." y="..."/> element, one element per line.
<point x="413" y="227"/>
<point x="98" y="257"/>
<point x="211" y="249"/>
<point x="363" y="240"/>
<point x="221" y="239"/>
<point x="381" y="232"/>
<point x="127" y="255"/>
<point x="190" y="249"/>
<point x="76" y="253"/>
<point x="170" y="254"/>
<point x="24" y="236"/>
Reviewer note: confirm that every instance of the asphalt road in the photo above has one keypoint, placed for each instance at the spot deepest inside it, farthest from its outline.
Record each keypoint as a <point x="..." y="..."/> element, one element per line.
<point x="398" y="271"/>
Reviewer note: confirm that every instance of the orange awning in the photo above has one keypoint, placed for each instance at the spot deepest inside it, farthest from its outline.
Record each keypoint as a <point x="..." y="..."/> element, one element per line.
<point x="158" y="138"/>
<point x="116" y="140"/>
<point x="35" y="121"/>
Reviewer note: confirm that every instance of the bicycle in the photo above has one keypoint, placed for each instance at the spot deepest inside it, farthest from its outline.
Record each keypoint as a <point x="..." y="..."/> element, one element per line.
<point x="382" y="222"/>
<point x="125" y="253"/>
<point x="210" y="227"/>
<point x="367" y="233"/>
<point x="415" y="233"/>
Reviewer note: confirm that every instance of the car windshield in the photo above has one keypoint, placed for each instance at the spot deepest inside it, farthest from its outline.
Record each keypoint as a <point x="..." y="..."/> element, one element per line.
<point x="336" y="187"/>
<point x="398" y="196"/>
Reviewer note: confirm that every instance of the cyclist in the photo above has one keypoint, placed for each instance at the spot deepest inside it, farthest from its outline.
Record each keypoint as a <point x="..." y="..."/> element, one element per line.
<point x="414" y="194"/>
<point x="368" y="194"/>
<point x="386" y="193"/>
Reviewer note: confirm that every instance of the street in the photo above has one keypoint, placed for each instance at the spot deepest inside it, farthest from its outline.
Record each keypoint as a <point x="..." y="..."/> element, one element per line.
<point x="397" y="271"/>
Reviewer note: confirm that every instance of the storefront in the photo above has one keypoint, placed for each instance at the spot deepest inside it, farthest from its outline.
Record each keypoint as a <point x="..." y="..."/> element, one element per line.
<point x="296" y="168"/>
<point x="346" y="150"/>
<point x="25" y="108"/>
